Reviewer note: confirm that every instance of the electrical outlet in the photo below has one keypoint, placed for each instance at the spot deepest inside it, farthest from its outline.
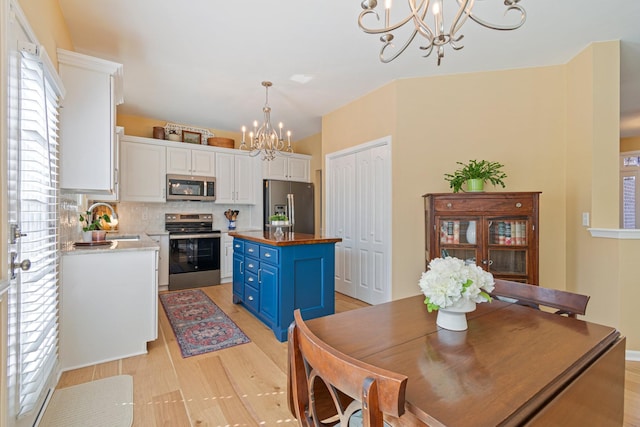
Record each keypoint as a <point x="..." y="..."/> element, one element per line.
<point x="145" y="214"/>
<point x="585" y="219"/>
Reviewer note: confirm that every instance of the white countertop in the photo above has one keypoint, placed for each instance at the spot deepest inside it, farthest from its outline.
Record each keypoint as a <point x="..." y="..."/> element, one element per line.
<point x="145" y="243"/>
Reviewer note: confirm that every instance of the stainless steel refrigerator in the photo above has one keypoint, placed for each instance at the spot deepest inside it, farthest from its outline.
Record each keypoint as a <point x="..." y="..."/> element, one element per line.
<point x="293" y="199"/>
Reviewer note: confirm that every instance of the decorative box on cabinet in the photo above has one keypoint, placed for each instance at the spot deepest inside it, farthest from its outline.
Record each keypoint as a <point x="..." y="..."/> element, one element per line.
<point x="288" y="168"/>
<point x="185" y="161"/>
<point x="142" y="171"/>
<point x="497" y="231"/>
<point x="88" y="122"/>
<point x="235" y="178"/>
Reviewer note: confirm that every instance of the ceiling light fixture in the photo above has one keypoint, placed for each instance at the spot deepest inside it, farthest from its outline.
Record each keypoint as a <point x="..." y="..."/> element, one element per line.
<point x="265" y="139"/>
<point x="437" y="37"/>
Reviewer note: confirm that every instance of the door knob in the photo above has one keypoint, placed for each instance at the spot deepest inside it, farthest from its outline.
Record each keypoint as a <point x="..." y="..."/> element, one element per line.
<point x="24" y="265"/>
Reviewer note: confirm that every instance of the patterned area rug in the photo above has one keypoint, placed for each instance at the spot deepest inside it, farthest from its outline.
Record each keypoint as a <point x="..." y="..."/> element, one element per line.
<point x="200" y="325"/>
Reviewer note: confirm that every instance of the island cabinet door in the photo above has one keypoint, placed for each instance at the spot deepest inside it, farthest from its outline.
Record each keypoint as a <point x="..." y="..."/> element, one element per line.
<point x="238" y="275"/>
<point x="269" y="291"/>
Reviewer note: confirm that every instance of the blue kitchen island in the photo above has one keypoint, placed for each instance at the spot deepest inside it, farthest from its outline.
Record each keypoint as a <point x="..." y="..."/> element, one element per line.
<point x="274" y="276"/>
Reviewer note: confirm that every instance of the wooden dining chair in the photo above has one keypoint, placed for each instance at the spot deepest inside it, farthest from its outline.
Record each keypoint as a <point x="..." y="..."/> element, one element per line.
<point x="567" y="303"/>
<point x="329" y="388"/>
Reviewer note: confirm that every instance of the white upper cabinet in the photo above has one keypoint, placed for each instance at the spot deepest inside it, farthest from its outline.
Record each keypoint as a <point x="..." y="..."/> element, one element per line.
<point x="143" y="171"/>
<point x="235" y="179"/>
<point x="288" y="168"/>
<point x="87" y="123"/>
<point x="186" y="161"/>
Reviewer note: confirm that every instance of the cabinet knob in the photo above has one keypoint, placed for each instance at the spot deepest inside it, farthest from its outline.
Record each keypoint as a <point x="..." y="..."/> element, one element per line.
<point x="250" y="279"/>
<point x="250" y="298"/>
<point x="449" y="205"/>
<point x="250" y="266"/>
<point x="250" y="250"/>
<point x="518" y="205"/>
<point x="267" y="255"/>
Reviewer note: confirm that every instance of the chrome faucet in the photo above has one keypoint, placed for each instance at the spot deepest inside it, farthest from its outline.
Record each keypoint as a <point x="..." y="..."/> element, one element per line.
<point x="114" y="215"/>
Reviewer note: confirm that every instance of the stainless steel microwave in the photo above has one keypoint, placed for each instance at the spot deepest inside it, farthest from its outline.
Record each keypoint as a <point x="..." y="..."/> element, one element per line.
<point x="186" y="187"/>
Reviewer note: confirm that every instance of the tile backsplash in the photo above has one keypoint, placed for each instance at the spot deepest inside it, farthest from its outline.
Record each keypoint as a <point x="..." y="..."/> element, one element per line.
<point x="149" y="217"/>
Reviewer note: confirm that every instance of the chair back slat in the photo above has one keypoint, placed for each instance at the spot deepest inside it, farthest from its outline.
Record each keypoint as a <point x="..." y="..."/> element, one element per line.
<point x="311" y="360"/>
<point x="564" y="302"/>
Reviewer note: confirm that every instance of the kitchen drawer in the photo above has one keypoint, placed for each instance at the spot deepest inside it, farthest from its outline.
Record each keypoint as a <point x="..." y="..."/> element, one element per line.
<point x="252" y="298"/>
<point x="252" y="249"/>
<point x="251" y="279"/>
<point x="238" y="246"/>
<point x="268" y="254"/>
<point x="504" y="206"/>
<point x="251" y="264"/>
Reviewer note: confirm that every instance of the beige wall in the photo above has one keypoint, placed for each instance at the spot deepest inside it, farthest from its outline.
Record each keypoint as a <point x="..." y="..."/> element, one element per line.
<point x="514" y="117"/>
<point x="630" y="144"/>
<point x="48" y="25"/>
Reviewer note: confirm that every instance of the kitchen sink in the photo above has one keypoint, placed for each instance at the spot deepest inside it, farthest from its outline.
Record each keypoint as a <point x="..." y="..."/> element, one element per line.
<point x="121" y="237"/>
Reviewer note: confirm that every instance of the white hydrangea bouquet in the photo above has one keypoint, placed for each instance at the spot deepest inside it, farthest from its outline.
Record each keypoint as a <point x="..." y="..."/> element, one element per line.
<point x="449" y="281"/>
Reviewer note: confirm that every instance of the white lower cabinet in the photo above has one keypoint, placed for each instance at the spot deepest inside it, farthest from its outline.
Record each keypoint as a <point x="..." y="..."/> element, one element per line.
<point x="108" y="306"/>
<point x="226" y="258"/>
<point x="142" y="172"/>
<point x="163" y="260"/>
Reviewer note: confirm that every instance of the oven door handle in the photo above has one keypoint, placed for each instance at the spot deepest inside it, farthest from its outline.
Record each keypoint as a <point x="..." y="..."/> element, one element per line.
<point x="195" y="236"/>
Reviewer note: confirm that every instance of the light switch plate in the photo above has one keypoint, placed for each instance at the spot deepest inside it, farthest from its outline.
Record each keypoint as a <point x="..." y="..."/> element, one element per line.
<point x="585" y="219"/>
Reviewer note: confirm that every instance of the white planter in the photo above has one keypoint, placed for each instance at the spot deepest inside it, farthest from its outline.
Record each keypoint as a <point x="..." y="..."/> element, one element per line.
<point x="454" y="318"/>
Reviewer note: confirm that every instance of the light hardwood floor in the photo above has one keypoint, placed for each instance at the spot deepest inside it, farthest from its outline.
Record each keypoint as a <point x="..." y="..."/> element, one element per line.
<point x="241" y="386"/>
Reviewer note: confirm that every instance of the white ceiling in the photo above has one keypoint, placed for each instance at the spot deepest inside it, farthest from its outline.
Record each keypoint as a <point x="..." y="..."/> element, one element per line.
<point x="201" y="62"/>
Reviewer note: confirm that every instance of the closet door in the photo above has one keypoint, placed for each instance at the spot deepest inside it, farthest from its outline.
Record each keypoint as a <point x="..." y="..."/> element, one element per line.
<point x="341" y="219"/>
<point x="359" y="212"/>
<point x="373" y="219"/>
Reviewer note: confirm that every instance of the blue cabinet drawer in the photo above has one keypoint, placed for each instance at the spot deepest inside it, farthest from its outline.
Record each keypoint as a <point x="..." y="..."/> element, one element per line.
<point x="251" y="264"/>
<point x="251" y="279"/>
<point x="251" y="298"/>
<point x="251" y="249"/>
<point x="268" y="254"/>
<point x="238" y="246"/>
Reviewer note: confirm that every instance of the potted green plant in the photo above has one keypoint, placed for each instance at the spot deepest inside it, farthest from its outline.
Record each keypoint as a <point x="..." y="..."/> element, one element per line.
<point x="89" y="226"/>
<point x="475" y="174"/>
<point x="278" y="219"/>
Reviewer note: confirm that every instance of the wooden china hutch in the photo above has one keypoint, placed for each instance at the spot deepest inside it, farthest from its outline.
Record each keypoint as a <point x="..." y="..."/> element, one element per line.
<point x="497" y="231"/>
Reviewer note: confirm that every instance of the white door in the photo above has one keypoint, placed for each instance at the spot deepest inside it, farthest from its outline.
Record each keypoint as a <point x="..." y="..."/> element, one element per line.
<point x="32" y="186"/>
<point x="359" y="212"/>
<point x="340" y="220"/>
<point x="373" y="190"/>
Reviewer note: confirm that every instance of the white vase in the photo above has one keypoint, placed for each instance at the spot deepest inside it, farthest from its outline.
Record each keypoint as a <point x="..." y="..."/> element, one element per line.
<point x="87" y="236"/>
<point x="471" y="232"/>
<point x="454" y="318"/>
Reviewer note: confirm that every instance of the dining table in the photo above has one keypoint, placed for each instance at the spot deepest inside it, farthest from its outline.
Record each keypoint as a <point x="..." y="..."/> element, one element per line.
<point x="513" y="366"/>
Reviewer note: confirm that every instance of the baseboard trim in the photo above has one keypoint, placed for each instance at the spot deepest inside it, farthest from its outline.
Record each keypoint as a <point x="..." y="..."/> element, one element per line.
<point x="632" y="355"/>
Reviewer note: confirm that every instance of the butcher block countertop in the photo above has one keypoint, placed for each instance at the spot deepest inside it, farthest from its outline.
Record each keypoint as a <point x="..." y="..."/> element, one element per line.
<point x="289" y="239"/>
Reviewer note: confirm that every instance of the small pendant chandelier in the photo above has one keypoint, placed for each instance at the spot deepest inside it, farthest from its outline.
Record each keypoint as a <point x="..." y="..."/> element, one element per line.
<point x="264" y="139"/>
<point x="437" y="37"/>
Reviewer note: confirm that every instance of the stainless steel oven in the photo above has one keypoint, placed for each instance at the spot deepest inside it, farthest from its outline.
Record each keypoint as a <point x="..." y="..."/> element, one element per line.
<point x="194" y="251"/>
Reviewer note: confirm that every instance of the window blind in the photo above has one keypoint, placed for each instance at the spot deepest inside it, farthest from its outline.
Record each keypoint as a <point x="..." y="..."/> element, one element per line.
<point x="38" y="217"/>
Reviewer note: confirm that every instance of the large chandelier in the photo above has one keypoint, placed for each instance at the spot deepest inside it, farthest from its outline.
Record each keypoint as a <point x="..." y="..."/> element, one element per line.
<point x="264" y="139"/>
<point x="437" y="38"/>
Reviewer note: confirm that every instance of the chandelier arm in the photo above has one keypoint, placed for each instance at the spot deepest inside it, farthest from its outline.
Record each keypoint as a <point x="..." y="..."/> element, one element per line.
<point x="464" y="11"/>
<point x="520" y="23"/>
<point x="402" y="49"/>
<point x="390" y="28"/>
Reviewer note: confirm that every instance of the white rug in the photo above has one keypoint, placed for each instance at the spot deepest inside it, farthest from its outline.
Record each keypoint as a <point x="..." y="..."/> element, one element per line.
<point x="107" y="402"/>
